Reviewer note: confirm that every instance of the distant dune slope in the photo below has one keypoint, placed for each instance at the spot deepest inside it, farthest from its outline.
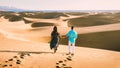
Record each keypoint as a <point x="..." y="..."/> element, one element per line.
<point x="103" y="34"/>
<point x="104" y="40"/>
<point x="93" y="20"/>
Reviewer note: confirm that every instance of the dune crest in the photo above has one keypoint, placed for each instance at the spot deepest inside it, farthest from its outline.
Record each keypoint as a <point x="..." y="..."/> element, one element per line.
<point x="23" y="46"/>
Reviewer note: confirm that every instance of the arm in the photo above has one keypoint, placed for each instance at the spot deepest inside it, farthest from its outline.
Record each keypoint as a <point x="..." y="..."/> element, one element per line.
<point x="63" y="36"/>
<point x="76" y="35"/>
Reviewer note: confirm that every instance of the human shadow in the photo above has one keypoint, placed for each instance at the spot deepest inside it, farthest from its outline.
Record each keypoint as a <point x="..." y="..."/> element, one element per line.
<point x="32" y="52"/>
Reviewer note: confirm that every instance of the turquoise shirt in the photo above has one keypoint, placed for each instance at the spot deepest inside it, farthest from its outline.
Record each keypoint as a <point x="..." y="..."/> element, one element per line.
<point x="72" y="35"/>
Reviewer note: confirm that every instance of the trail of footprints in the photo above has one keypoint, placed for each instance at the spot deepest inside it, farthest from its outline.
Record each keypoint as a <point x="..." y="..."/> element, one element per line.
<point x="14" y="61"/>
<point x="17" y="60"/>
<point x="63" y="63"/>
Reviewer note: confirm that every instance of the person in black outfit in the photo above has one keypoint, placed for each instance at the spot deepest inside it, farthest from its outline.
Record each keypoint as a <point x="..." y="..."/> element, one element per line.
<point x="54" y="39"/>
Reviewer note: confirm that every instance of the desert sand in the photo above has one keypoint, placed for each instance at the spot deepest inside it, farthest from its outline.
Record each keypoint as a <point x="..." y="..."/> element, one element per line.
<point x="26" y="47"/>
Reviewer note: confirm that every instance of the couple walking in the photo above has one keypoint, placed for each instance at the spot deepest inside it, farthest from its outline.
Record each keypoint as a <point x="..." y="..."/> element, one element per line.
<point x="71" y="35"/>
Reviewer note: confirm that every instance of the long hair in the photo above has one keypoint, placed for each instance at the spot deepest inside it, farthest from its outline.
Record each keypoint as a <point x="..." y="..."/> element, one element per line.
<point x="55" y="29"/>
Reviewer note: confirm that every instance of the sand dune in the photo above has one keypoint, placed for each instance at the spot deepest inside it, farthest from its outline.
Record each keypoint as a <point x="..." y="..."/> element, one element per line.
<point x="57" y="21"/>
<point x="2" y="19"/>
<point x="102" y="28"/>
<point x="25" y="31"/>
<point x="74" y="16"/>
<point x="39" y="55"/>
<point x="20" y="30"/>
<point x="22" y="46"/>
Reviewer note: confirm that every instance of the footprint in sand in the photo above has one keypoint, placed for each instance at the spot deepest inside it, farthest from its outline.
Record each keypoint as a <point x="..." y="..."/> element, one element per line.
<point x="16" y="59"/>
<point x="5" y="65"/>
<point x="10" y="60"/>
<point x="21" y="57"/>
<point x="57" y="63"/>
<point x="18" y="62"/>
<point x="6" y="61"/>
<point x="67" y="54"/>
<point x="58" y="67"/>
<point x="63" y="64"/>
<point x="60" y="61"/>
<point x="14" y="56"/>
<point x="28" y="54"/>
<point x="65" y="60"/>
<point x="69" y="59"/>
<point x="10" y="65"/>
<point x="70" y="54"/>
<point x="67" y="67"/>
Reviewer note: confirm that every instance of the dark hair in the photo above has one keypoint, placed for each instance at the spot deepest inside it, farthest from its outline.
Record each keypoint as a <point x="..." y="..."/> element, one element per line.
<point x="72" y="27"/>
<point x="55" y="29"/>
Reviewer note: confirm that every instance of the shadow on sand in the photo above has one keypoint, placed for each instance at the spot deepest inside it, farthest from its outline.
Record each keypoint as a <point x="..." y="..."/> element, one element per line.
<point x="109" y="40"/>
<point x="32" y="52"/>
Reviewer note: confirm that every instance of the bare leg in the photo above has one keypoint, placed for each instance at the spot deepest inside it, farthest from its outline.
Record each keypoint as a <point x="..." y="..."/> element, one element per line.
<point x="55" y="49"/>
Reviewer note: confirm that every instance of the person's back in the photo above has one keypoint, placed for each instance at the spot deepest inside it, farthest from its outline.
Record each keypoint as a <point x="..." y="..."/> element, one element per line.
<point x="72" y="36"/>
<point x="54" y="36"/>
<point x="54" y="39"/>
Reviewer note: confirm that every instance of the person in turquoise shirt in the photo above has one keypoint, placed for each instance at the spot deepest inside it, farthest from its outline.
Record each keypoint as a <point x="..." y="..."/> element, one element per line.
<point x="72" y="36"/>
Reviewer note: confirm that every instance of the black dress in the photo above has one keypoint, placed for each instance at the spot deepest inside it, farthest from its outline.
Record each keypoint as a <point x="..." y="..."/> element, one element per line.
<point x="54" y="39"/>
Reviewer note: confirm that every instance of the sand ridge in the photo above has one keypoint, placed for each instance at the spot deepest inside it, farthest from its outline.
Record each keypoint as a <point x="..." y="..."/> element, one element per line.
<point x="40" y="56"/>
<point x="16" y="52"/>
